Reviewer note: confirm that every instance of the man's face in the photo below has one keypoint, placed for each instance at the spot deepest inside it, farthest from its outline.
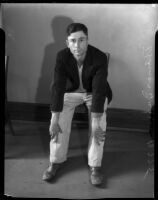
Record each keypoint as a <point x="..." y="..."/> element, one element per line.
<point x="77" y="42"/>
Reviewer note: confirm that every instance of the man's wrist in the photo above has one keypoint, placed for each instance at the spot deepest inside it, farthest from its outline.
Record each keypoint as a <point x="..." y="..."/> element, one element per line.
<point x="96" y="115"/>
<point x="96" y="121"/>
<point x="55" y="116"/>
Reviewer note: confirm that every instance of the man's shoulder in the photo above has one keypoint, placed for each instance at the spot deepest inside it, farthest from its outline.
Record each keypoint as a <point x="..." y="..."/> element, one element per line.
<point x="96" y="51"/>
<point x="64" y="52"/>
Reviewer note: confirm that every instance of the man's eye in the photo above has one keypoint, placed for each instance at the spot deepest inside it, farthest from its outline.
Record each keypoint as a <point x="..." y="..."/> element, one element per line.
<point x="82" y="39"/>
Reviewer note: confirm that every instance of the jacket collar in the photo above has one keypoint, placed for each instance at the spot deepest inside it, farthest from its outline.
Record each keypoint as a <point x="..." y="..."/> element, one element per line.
<point x="88" y="59"/>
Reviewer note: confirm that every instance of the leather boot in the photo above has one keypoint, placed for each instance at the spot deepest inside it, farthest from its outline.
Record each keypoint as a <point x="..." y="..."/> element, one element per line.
<point x="50" y="172"/>
<point x="96" y="176"/>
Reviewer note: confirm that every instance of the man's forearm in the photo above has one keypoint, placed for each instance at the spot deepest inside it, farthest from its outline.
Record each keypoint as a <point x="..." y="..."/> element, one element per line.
<point x="95" y="118"/>
<point x="96" y="115"/>
<point x="55" y="116"/>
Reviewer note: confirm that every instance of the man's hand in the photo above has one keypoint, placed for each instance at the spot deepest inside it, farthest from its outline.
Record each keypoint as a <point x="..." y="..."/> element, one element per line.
<point x="97" y="132"/>
<point x="54" y="131"/>
<point x="54" y="128"/>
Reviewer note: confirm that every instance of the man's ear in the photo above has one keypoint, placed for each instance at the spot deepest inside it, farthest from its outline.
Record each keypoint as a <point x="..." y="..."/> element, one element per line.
<point x="67" y="43"/>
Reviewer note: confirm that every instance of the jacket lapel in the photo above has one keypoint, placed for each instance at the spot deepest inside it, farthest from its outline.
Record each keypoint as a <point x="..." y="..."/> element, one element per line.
<point x="88" y="58"/>
<point x="72" y="68"/>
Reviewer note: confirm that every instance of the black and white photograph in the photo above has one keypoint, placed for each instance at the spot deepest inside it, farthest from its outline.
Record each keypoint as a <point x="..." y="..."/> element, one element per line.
<point x="79" y="100"/>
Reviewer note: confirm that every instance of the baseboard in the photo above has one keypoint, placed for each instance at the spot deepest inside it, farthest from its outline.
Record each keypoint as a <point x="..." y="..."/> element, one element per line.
<point x="121" y="118"/>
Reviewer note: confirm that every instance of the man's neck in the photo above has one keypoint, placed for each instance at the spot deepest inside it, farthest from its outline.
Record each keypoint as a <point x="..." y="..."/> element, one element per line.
<point x="81" y="60"/>
<point x="80" y="63"/>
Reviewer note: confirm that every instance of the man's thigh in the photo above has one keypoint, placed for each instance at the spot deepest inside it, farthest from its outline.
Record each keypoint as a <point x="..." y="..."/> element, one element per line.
<point x="88" y="101"/>
<point x="73" y="99"/>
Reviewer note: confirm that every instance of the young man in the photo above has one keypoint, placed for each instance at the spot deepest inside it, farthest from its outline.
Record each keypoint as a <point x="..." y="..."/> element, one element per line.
<point x="80" y="77"/>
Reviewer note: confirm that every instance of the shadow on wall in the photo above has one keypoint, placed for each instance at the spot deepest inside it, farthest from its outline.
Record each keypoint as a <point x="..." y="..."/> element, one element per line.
<point x="58" y="25"/>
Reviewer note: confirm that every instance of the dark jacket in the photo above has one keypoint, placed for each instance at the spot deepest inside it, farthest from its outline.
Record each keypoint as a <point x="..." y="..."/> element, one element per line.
<point x="94" y="78"/>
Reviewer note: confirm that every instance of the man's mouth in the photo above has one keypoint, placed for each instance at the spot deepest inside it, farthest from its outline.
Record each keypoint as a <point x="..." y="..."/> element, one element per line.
<point x="77" y="52"/>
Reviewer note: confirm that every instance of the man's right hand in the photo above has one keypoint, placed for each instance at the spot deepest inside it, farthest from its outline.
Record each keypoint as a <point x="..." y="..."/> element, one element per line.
<point x="54" y="131"/>
<point x="54" y="128"/>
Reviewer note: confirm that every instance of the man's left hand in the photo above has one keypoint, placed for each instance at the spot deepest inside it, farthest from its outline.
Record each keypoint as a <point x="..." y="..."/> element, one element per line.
<point x="97" y="132"/>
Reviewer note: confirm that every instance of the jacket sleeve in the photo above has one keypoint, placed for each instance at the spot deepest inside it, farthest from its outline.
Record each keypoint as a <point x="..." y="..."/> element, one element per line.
<point x="99" y="87"/>
<point x="59" y="85"/>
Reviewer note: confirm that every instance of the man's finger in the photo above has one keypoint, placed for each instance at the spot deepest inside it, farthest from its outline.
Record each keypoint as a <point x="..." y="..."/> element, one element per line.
<point x="56" y="138"/>
<point x="51" y="133"/>
<point x="60" y="130"/>
<point x="100" y="138"/>
<point x="97" y="141"/>
<point x="52" y="136"/>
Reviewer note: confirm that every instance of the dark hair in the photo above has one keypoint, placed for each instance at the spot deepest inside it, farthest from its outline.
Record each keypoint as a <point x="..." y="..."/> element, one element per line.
<point x="74" y="27"/>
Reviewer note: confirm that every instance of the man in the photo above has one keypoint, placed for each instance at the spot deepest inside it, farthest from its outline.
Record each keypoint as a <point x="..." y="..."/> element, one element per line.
<point x="80" y="77"/>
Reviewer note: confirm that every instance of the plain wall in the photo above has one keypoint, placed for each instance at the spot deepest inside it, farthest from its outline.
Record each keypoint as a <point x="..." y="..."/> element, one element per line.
<point x="36" y="32"/>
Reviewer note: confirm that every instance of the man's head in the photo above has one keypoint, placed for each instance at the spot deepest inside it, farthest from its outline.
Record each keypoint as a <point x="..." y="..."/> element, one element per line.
<point x="77" y="40"/>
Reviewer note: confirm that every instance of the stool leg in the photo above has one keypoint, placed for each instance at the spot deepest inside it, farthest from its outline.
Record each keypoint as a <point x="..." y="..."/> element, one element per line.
<point x="11" y="127"/>
<point x="8" y="120"/>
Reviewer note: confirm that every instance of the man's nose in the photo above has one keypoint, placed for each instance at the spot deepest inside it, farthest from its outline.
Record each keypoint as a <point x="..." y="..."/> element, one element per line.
<point x="77" y="43"/>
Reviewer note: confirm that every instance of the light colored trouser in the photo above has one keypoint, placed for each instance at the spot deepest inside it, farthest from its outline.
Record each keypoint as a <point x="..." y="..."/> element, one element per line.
<point x="58" y="150"/>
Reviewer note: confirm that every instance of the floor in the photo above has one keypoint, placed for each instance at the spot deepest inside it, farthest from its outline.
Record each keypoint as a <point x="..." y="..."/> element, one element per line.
<point x="127" y="164"/>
